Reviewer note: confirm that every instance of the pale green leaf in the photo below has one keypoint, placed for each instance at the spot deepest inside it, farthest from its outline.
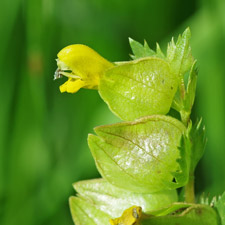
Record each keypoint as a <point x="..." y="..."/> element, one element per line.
<point x="139" y="156"/>
<point x="191" y="89"/>
<point x="179" y="54"/>
<point x="183" y="103"/>
<point x="139" y="88"/>
<point x="181" y="176"/>
<point x="113" y="200"/>
<point x="181" y="61"/>
<point x="198" y="140"/>
<point x="191" y="149"/>
<point x="85" y="213"/>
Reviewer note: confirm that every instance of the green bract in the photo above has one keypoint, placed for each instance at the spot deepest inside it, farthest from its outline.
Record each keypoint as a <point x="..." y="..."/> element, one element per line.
<point x="113" y="200"/>
<point x="85" y="213"/>
<point x="148" y="84"/>
<point x="139" y="156"/>
<point x="98" y="201"/>
<point x="139" y="88"/>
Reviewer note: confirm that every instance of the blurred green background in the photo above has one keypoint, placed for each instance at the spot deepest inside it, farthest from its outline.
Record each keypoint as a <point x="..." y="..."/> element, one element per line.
<point x="43" y="147"/>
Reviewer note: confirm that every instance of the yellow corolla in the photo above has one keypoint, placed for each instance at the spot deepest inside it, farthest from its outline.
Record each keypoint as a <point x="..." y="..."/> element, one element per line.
<point x="83" y="67"/>
<point x="130" y="216"/>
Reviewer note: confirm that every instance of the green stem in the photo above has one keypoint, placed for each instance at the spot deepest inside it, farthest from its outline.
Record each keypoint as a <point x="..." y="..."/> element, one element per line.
<point x="185" y="117"/>
<point x="189" y="190"/>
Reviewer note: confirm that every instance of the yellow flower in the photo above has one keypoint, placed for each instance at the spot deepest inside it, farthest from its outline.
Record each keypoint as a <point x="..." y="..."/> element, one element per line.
<point x="130" y="216"/>
<point x="83" y="67"/>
